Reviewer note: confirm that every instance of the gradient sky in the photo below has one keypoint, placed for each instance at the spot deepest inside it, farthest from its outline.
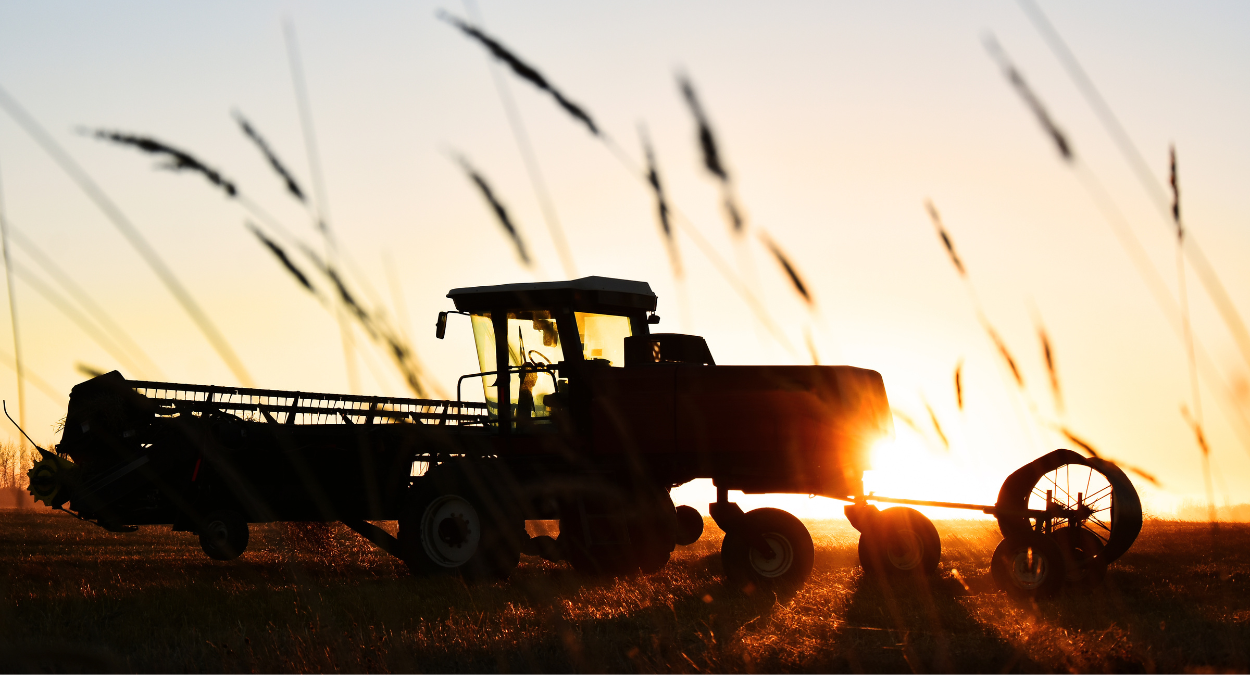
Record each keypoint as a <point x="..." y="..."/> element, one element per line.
<point x="836" y="120"/>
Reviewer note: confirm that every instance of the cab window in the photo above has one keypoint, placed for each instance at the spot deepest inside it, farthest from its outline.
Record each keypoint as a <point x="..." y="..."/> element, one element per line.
<point x="603" y="337"/>
<point x="533" y="340"/>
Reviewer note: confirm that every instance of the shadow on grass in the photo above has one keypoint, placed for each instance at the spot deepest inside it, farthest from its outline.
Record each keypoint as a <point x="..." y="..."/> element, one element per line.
<point x="76" y="598"/>
<point x="921" y="626"/>
<point x="1164" y="608"/>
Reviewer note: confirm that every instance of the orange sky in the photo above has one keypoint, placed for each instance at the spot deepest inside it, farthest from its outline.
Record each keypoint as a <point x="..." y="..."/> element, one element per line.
<point x="836" y="121"/>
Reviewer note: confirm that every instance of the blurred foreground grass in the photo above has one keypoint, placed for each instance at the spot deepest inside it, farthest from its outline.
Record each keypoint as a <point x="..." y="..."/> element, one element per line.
<point x="317" y="598"/>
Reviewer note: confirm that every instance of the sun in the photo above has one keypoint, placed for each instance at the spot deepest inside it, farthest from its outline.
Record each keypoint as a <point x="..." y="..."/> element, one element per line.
<point x="907" y="466"/>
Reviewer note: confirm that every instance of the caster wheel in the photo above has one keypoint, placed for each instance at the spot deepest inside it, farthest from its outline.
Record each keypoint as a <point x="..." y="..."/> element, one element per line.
<point x="770" y="549"/>
<point x="1029" y="566"/>
<point x="900" y="542"/>
<point x="224" y="535"/>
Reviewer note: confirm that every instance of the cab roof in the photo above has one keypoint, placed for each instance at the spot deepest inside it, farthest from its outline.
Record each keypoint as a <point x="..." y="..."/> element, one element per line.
<point x="586" y="294"/>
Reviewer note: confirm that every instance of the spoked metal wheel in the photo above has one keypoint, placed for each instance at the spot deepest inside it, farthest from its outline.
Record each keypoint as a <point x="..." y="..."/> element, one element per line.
<point x="1087" y="506"/>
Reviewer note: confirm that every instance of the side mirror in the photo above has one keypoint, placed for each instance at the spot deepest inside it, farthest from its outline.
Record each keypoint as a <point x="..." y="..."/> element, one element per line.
<point x="653" y="319"/>
<point x="440" y="328"/>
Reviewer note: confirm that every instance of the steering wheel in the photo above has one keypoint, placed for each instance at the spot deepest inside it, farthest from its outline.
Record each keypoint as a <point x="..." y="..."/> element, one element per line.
<point x="544" y="357"/>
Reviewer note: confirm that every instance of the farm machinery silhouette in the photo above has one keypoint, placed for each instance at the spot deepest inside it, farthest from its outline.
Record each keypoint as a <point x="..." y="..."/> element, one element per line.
<point x="588" y="418"/>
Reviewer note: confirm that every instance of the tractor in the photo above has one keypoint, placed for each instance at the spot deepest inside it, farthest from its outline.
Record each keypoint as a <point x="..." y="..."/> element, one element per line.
<point x="586" y="417"/>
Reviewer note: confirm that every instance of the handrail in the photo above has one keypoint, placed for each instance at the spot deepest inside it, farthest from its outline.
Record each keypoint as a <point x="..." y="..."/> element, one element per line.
<point x="549" y="368"/>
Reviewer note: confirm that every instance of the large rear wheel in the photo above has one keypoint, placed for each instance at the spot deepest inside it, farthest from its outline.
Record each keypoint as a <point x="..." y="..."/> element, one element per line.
<point x="458" y="521"/>
<point x="614" y="530"/>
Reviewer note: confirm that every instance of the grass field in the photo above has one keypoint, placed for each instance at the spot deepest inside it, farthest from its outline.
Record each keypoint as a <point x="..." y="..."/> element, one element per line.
<point x="316" y="598"/>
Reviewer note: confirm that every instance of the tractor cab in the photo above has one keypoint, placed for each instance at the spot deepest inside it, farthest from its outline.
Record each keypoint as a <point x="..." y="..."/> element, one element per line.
<point x="538" y="344"/>
<point x="578" y="359"/>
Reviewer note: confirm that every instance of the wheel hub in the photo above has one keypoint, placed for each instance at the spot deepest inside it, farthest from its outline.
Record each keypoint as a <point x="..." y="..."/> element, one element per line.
<point x="780" y="560"/>
<point x="905" y="550"/>
<point x="1029" y="570"/>
<point x="454" y="530"/>
<point x="217" y="532"/>
<point x="450" y="531"/>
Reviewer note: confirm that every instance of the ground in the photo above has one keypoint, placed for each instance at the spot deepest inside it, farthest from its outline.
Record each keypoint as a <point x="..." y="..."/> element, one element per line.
<point x="316" y="598"/>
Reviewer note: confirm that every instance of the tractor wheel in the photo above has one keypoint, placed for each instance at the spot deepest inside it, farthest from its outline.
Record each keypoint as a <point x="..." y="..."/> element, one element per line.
<point x="614" y="531"/>
<point x="769" y="549"/>
<point x="1029" y="566"/>
<point x="224" y="535"/>
<point x="458" y="521"/>
<point x="689" y="525"/>
<point x="900" y="542"/>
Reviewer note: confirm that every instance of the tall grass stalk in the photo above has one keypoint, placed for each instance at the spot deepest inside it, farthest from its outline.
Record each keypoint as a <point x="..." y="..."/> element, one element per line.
<point x="664" y="217"/>
<point x="1052" y="369"/>
<point x="292" y="186"/>
<point x="1200" y="437"/>
<point x="53" y="393"/>
<point x="1017" y="80"/>
<point x="789" y="268"/>
<point x="661" y="203"/>
<point x="949" y="245"/>
<point x="128" y="231"/>
<point x="88" y="327"/>
<point x="1128" y="240"/>
<point x="537" y="181"/>
<point x="501" y="212"/>
<point x="937" y="426"/>
<point x="1000" y="347"/>
<point x="300" y="85"/>
<point x="17" y="342"/>
<point x="176" y="159"/>
<point x="811" y="345"/>
<point x="522" y="70"/>
<point x="321" y="212"/>
<point x="712" y="156"/>
<point x="1141" y="169"/>
<point x="401" y="353"/>
<point x="531" y="75"/>
<point x="714" y="163"/>
<point x="84" y="300"/>
<point x="280" y="254"/>
<point x="959" y="384"/>
<point x="1195" y="422"/>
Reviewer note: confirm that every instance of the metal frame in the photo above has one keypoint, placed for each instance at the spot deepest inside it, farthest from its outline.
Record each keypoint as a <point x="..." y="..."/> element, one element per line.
<point x="304" y="408"/>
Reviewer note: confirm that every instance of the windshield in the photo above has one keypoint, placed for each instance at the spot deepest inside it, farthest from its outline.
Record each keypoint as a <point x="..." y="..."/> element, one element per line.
<point x="603" y="337"/>
<point x="532" y="341"/>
